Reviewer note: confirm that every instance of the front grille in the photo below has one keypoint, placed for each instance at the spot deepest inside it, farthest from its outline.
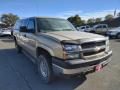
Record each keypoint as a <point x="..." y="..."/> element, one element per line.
<point x="92" y="44"/>
<point x="93" y="48"/>
<point x="93" y="52"/>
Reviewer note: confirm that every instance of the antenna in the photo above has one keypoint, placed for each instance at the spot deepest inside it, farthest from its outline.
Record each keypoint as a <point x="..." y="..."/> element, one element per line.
<point x="37" y="8"/>
<point x="115" y="12"/>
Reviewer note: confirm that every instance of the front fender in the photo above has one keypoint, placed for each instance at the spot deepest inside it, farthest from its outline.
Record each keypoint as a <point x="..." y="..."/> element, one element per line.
<point x="47" y="48"/>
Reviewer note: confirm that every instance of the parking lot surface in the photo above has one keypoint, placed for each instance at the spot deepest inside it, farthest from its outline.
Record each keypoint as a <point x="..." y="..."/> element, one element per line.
<point x="17" y="72"/>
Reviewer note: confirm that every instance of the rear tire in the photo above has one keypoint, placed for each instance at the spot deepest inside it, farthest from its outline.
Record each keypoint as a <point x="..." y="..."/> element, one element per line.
<point x="45" y="68"/>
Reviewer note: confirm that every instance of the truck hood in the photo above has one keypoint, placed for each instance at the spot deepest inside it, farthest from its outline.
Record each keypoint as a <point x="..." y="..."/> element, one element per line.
<point x="71" y="35"/>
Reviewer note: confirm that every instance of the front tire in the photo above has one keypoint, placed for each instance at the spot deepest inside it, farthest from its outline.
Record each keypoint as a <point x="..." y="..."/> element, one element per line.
<point x="19" y="49"/>
<point x="45" y="68"/>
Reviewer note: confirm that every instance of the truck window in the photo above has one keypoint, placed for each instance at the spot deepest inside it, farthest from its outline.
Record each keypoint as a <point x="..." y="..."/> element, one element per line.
<point x="98" y="27"/>
<point x="82" y="27"/>
<point x="54" y="24"/>
<point x="104" y="26"/>
<point x="24" y="22"/>
<point x="31" y="25"/>
<point x="17" y="25"/>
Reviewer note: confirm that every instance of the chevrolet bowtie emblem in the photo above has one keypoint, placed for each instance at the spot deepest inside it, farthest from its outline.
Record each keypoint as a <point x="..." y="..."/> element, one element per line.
<point x="97" y="48"/>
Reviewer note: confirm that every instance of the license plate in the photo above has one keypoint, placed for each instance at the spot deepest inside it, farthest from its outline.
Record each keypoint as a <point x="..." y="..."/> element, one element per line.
<point x="98" y="68"/>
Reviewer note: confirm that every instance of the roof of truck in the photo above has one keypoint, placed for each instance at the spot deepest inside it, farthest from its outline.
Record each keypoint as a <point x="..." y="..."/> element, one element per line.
<point x="42" y="17"/>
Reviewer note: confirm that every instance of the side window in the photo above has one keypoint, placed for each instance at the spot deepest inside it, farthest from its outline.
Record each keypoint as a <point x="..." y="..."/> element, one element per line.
<point x="98" y="27"/>
<point x="83" y="28"/>
<point x="31" y="25"/>
<point x="104" y="26"/>
<point x="24" y="22"/>
<point x="17" y="25"/>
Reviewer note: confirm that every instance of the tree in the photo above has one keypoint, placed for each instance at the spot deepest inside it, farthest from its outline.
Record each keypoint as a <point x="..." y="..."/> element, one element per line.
<point x="76" y="20"/>
<point x="83" y="21"/>
<point x="91" y="20"/>
<point x="70" y="19"/>
<point x="98" y="20"/>
<point x="109" y="17"/>
<point x="9" y="19"/>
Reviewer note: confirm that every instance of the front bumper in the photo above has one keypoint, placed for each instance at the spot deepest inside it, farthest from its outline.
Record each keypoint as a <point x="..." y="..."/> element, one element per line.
<point x="78" y="66"/>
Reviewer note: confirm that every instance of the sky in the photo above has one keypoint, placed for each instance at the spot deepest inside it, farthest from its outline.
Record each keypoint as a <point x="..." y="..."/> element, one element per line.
<point x="60" y="8"/>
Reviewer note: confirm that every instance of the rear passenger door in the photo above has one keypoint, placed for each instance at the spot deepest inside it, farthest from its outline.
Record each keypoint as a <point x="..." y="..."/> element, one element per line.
<point x="105" y="29"/>
<point x="98" y="29"/>
<point x="18" y="34"/>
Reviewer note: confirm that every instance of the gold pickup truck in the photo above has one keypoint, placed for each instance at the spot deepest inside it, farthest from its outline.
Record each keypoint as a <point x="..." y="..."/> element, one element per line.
<point x="58" y="48"/>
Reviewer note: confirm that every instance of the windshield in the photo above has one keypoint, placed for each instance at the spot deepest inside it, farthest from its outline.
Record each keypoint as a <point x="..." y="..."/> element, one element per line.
<point x="54" y="24"/>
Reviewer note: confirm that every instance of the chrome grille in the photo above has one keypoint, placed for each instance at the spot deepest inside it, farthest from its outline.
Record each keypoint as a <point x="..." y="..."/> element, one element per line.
<point x="92" y="44"/>
<point x="93" y="52"/>
<point x="93" y="48"/>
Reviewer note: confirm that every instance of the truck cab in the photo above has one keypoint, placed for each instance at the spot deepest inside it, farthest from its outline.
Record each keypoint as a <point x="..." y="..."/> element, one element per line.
<point x="100" y="28"/>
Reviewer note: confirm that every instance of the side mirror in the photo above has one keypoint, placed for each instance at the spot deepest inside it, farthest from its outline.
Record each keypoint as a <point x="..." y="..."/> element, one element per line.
<point x="23" y="29"/>
<point x="31" y="30"/>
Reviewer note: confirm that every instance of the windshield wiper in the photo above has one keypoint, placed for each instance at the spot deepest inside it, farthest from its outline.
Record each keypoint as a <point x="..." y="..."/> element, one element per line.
<point x="67" y="29"/>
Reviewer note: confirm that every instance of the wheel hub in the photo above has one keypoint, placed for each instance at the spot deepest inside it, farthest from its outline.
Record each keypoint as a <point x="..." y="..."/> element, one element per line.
<point x="43" y="69"/>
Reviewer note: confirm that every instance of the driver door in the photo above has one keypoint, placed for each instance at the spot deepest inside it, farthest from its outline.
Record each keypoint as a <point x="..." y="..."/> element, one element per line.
<point x="30" y="37"/>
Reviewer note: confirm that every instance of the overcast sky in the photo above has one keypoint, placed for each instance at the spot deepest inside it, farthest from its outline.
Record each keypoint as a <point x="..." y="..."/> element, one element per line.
<point x="60" y="8"/>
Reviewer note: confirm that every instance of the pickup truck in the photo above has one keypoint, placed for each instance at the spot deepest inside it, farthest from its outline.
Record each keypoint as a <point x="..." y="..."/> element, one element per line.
<point x="57" y="48"/>
<point x="100" y="29"/>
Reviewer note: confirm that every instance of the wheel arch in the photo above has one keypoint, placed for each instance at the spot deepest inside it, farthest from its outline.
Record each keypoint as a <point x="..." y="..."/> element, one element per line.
<point x="41" y="50"/>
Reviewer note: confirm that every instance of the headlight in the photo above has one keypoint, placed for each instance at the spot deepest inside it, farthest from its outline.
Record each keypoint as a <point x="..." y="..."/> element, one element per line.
<point x="71" y="48"/>
<point x="107" y="45"/>
<point x="71" y="51"/>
